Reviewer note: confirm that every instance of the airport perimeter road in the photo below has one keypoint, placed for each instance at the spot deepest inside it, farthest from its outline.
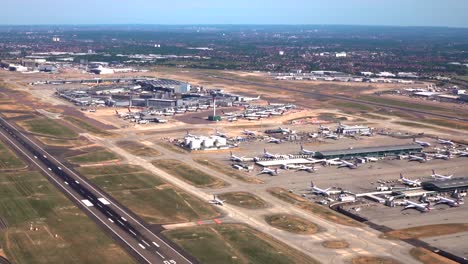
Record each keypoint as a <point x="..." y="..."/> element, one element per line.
<point x="141" y="243"/>
<point x="344" y="98"/>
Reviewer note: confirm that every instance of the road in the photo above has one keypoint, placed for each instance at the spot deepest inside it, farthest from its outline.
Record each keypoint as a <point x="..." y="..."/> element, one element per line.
<point x="132" y="233"/>
<point x="339" y="97"/>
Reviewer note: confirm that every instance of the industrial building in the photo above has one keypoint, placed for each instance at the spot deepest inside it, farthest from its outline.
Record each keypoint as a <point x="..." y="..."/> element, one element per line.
<point x="352" y="130"/>
<point x="460" y="184"/>
<point x="369" y="152"/>
<point x="202" y="143"/>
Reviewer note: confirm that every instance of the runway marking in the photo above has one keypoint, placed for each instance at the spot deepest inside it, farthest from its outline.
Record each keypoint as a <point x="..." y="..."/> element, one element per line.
<point x="155" y="244"/>
<point x="160" y="255"/>
<point x="200" y="222"/>
<point x="104" y="201"/>
<point x="90" y="186"/>
<point x="217" y="221"/>
<point x="146" y="243"/>
<point x="131" y="231"/>
<point x="143" y="247"/>
<point x="72" y="194"/>
<point x="112" y="221"/>
<point x="87" y="202"/>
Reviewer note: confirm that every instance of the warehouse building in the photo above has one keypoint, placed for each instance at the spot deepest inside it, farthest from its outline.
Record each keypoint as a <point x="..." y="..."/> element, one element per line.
<point x="352" y="130"/>
<point x="382" y="151"/>
<point x="460" y="184"/>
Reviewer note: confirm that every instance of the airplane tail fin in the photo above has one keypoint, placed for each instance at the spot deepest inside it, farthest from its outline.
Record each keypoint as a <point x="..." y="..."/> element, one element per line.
<point x="401" y="176"/>
<point x="312" y="184"/>
<point x="433" y="172"/>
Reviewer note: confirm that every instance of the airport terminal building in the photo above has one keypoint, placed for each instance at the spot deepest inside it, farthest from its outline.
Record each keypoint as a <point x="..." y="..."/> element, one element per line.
<point x="382" y="151"/>
<point x="460" y="184"/>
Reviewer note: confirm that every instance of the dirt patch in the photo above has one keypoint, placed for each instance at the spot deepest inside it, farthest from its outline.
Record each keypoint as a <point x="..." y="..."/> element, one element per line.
<point x="428" y="257"/>
<point x="335" y="244"/>
<point x="374" y="260"/>
<point x="243" y="199"/>
<point x="291" y="223"/>
<point x="138" y="149"/>
<point x="426" y="231"/>
<point x="238" y="175"/>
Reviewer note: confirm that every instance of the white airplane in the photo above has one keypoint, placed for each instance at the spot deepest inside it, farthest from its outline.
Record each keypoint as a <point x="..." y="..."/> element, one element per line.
<point x="441" y="156"/>
<point x="289" y="167"/>
<point x="463" y="153"/>
<point x="345" y="163"/>
<point x="269" y="171"/>
<point x="371" y="159"/>
<point x="236" y="158"/>
<point x="423" y="207"/>
<point x="448" y="201"/>
<point x="220" y="134"/>
<point x="286" y="131"/>
<point x="366" y="134"/>
<point x="445" y="142"/>
<point x="440" y="176"/>
<point x="306" y="152"/>
<point x="317" y="190"/>
<point x="274" y="140"/>
<point x="216" y="200"/>
<point x="332" y="136"/>
<point x="249" y="133"/>
<point x="333" y="162"/>
<point x="306" y="168"/>
<point x="322" y="128"/>
<point x="412" y="183"/>
<point x="269" y="155"/>
<point x="422" y="143"/>
<point x="416" y="158"/>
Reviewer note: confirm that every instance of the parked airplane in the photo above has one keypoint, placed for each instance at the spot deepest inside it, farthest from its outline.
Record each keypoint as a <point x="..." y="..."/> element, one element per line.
<point x="268" y="155"/>
<point x="448" y="201"/>
<point x="371" y="159"/>
<point x="366" y="134"/>
<point x="440" y="176"/>
<point x="216" y="200"/>
<point x="269" y="171"/>
<point x="306" y="168"/>
<point x="323" y="128"/>
<point x="345" y="163"/>
<point x="445" y="142"/>
<point x="333" y="162"/>
<point x="441" y="156"/>
<point x="422" y="143"/>
<point x="306" y="152"/>
<point x="238" y="159"/>
<point x="423" y="207"/>
<point x="416" y="158"/>
<point x="249" y="133"/>
<point x="290" y="167"/>
<point x="332" y="136"/>
<point x="317" y="190"/>
<point x="274" y="140"/>
<point x="463" y="153"/>
<point x="406" y="181"/>
<point x="286" y="131"/>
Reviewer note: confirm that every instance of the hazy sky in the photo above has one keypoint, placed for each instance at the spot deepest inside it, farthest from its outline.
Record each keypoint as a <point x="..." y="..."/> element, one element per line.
<point x="349" y="12"/>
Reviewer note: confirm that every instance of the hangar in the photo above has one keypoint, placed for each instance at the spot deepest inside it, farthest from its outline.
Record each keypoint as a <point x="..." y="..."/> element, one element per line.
<point x="369" y="151"/>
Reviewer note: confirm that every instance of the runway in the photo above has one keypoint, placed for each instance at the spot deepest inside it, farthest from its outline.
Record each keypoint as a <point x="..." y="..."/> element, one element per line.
<point x="132" y="233"/>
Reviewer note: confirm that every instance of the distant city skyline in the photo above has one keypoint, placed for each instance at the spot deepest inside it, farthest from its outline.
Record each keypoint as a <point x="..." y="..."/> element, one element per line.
<point x="447" y="13"/>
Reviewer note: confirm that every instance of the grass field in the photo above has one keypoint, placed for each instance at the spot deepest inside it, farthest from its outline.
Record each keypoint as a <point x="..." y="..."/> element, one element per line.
<point x="8" y="159"/>
<point x="426" y="231"/>
<point x="446" y="123"/>
<point x="243" y="199"/>
<point x="313" y="208"/>
<point x="27" y="197"/>
<point x="373" y="116"/>
<point x="427" y="257"/>
<point x="57" y="142"/>
<point x="171" y="147"/>
<point x="189" y="174"/>
<point x="411" y="124"/>
<point x="396" y="102"/>
<point x="292" y="224"/>
<point x="351" y="105"/>
<point x="235" y="244"/>
<point x="138" y="149"/>
<point x="235" y="174"/>
<point x="147" y="195"/>
<point x="86" y="126"/>
<point x="48" y="127"/>
<point x="95" y="155"/>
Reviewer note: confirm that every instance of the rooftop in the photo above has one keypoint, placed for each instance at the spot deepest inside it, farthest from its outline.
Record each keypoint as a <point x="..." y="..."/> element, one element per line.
<point x="448" y="184"/>
<point x="370" y="150"/>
